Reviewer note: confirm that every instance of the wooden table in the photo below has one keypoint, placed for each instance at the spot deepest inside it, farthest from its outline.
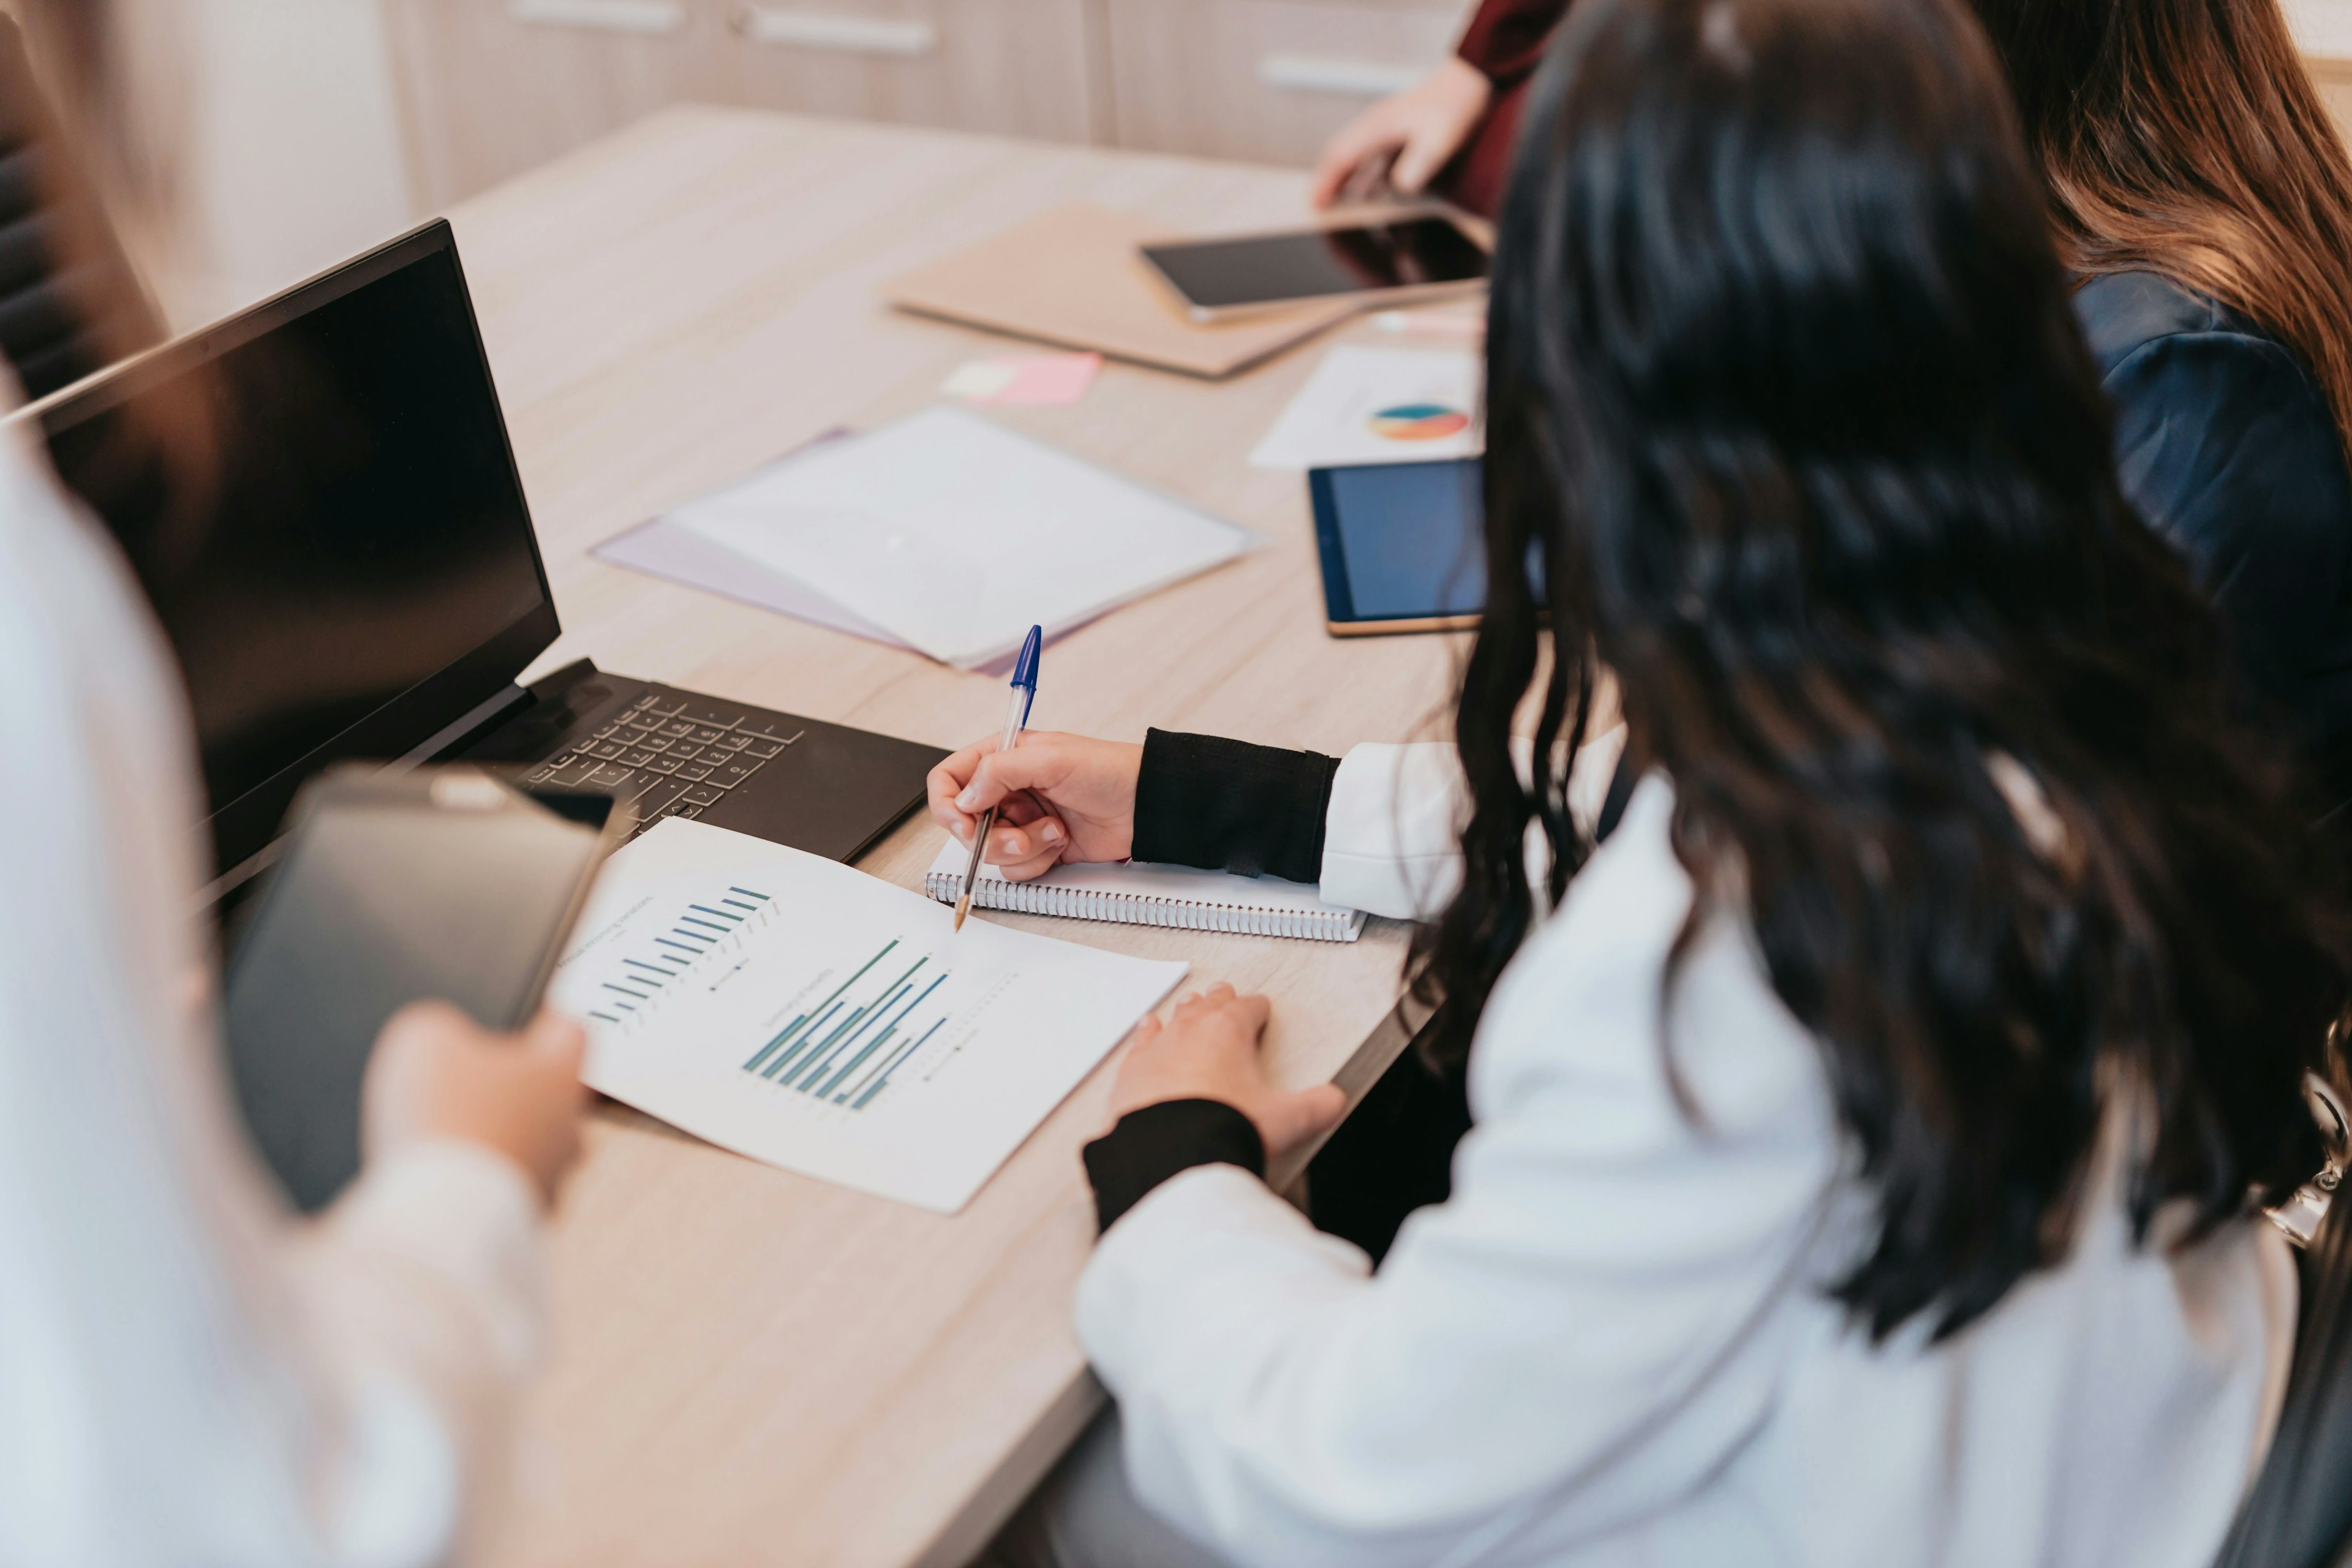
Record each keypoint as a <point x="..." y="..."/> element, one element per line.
<point x="750" y="1366"/>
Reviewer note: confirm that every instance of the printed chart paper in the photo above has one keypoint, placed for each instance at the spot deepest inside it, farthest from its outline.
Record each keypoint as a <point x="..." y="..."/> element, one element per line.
<point x="809" y="1016"/>
<point x="1379" y="405"/>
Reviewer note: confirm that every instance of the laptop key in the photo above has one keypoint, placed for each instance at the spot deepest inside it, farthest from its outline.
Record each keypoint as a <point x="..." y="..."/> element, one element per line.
<point x="704" y="734"/>
<point x="664" y="765"/>
<point x="677" y="727"/>
<point x="571" y="773"/>
<point x="726" y="775"/>
<point x="658" y="797"/>
<point x="633" y="759"/>
<point x="701" y="794"/>
<point x="763" y="750"/>
<point x="688" y="811"/>
<point x="736" y="743"/>
<point x="610" y="776"/>
<point x="694" y="771"/>
<point x="608" y="749"/>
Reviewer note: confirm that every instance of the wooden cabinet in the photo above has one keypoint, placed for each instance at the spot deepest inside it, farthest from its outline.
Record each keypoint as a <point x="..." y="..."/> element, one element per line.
<point x="1262" y="80"/>
<point x="1016" y="66"/>
<point x="2334" y="79"/>
<point x="490" y="87"/>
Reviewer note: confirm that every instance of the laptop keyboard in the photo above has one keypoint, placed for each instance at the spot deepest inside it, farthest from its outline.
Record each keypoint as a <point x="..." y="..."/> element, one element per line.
<point x="667" y="756"/>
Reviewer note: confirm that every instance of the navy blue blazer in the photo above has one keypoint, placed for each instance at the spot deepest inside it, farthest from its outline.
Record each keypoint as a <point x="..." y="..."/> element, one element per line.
<point x="2225" y="443"/>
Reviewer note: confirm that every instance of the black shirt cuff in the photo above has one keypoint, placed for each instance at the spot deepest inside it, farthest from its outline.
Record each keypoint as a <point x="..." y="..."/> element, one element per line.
<point x="1158" y="1141"/>
<point x="1227" y="805"/>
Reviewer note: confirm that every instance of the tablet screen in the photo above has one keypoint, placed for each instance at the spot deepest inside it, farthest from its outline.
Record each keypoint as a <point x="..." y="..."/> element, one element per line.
<point x="1400" y="542"/>
<point x="1317" y="263"/>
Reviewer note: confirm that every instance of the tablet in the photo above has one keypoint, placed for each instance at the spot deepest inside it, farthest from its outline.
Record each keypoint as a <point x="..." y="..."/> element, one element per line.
<point x="439" y="882"/>
<point x="1400" y="545"/>
<point x="1411" y="257"/>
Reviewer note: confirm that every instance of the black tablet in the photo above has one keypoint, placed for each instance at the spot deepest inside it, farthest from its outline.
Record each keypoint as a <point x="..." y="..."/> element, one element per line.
<point x="439" y="882"/>
<point x="1400" y="546"/>
<point x="1412" y="256"/>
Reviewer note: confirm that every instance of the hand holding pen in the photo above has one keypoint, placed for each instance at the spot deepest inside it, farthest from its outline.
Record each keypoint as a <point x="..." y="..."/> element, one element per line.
<point x="1016" y="718"/>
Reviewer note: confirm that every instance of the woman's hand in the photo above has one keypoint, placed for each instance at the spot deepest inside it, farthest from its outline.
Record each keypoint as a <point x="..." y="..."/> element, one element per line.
<point x="1209" y="1050"/>
<point x="1408" y="137"/>
<point x="437" y="1074"/>
<point x="1065" y="797"/>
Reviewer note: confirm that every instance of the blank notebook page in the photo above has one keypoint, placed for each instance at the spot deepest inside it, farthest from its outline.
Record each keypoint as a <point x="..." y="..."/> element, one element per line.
<point x="1147" y="895"/>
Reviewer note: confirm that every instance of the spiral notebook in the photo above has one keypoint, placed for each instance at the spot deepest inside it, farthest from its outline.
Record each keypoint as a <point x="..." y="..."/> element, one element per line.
<point x="1153" y="896"/>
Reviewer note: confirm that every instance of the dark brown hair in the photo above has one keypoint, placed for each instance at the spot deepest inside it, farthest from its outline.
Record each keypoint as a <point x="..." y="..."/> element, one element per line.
<point x="2184" y="137"/>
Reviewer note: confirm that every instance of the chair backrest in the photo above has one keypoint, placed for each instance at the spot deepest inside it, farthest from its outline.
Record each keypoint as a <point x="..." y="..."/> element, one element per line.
<point x="69" y="301"/>
<point x="2298" y="1513"/>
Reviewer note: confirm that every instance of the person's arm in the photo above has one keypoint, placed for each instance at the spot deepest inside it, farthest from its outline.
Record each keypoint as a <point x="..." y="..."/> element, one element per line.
<point x="2226" y="446"/>
<point x="187" y="1373"/>
<point x="1379" y="831"/>
<point x="1568" y="1336"/>
<point x="1505" y="38"/>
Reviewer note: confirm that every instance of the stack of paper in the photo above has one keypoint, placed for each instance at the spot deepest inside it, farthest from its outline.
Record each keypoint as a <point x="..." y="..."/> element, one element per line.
<point x="943" y="533"/>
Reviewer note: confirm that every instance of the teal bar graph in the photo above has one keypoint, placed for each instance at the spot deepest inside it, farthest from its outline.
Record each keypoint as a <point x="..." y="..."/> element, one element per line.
<point x="843" y="1049"/>
<point x="753" y="1065"/>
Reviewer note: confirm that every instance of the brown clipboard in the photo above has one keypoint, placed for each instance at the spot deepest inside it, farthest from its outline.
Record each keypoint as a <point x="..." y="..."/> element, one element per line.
<point x="1071" y="276"/>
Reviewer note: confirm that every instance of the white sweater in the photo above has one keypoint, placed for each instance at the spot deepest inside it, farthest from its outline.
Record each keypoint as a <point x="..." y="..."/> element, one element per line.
<point x="189" y="1374"/>
<point x="1611" y="1345"/>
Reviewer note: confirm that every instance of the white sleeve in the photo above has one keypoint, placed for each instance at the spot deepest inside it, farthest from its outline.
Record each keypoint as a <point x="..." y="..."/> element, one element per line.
<point x="187" y="1371"/>
<point x="1561" y="1346"/>
<point x="1392" y="833"/>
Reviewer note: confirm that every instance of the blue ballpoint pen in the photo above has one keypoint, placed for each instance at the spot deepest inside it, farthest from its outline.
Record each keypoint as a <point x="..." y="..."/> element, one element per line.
<point x="1016" y="718"/>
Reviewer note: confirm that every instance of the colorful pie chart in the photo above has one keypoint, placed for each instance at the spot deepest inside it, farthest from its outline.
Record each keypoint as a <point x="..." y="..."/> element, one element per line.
<point x="1419" y="422"/>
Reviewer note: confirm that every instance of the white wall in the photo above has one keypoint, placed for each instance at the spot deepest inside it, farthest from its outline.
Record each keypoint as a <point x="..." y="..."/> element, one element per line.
<point x="294" y="158"/>
<point x="2322" y="26"/>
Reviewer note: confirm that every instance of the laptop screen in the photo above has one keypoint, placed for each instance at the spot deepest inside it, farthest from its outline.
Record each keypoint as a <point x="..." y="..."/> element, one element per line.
<point x="341" y="554"/>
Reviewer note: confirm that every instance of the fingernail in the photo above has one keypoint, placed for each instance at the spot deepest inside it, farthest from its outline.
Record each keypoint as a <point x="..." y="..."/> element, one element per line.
<point x="1051" y="833"/>
<point x="969" y="799"/>
<point x="1006" y="843"/>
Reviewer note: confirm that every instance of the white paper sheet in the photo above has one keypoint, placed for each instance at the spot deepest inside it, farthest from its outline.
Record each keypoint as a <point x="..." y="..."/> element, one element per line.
<point x="815" y="1018"/>
<point x="1379" y="405"/>
<point x="957" y="536"/>
<point x="660" y="548"/>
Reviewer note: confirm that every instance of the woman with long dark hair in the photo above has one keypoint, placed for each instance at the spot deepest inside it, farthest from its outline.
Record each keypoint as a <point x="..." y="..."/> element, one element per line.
<point x="1870" y="1131"/>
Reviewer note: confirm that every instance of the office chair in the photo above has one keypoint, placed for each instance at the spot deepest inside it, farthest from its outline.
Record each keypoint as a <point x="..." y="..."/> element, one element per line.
<point x="69" y="301"/>
<point x="2298" y="1513"/>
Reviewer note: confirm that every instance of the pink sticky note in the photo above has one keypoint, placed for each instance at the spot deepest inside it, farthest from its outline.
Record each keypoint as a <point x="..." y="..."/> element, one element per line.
<point x="1049" y="381"/>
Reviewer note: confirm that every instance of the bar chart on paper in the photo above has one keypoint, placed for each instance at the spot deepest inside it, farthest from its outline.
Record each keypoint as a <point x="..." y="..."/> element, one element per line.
<point x="805" y="1014"/>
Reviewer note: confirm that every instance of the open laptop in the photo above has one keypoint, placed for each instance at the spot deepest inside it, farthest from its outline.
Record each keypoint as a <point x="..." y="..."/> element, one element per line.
<point x="358" y="577"/>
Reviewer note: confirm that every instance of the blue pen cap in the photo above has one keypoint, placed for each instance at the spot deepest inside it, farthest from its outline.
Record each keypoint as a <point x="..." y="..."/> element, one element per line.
<point x="1025" y="668"/>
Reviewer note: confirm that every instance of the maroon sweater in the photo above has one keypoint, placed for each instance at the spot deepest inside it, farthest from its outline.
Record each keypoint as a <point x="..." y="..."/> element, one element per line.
<point x="1506" y="42"/>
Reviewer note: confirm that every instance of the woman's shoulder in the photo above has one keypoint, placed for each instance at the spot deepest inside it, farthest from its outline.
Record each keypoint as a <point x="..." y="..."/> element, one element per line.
<point x="2123" y="312"/>
<point x="2146" y="328"/>
<point x="1583" y="1009"/>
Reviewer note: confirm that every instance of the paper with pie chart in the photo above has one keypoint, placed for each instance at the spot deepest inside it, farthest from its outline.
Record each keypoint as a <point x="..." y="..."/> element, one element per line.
<point x="1379" y="405"/>
<point x="815" y="1018"/>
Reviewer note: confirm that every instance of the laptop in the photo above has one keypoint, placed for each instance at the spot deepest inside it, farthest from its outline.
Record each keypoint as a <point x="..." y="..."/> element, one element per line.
<point x="353" y="575"/>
